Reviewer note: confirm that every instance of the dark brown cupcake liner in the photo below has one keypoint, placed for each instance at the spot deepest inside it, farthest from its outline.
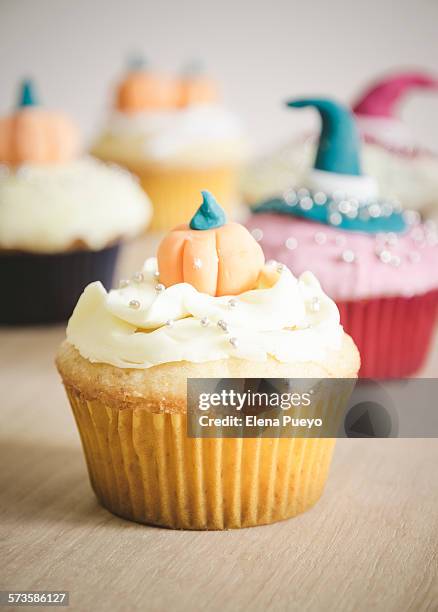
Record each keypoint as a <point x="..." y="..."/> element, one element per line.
<point x="44" y="288"/>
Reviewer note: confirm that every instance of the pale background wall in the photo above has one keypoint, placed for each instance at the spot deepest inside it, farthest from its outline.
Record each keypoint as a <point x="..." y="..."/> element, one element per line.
<point x="262" y="52"/>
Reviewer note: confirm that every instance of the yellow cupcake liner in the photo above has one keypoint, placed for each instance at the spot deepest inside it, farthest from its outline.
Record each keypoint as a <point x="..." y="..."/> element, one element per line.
<point x="143" y="467"/>
<point x="175" y="193"/>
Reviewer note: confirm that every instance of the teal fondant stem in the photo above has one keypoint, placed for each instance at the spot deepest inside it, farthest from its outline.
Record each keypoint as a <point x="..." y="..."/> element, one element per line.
<point x="27" y="95"/>
<point x="209" y="215"/>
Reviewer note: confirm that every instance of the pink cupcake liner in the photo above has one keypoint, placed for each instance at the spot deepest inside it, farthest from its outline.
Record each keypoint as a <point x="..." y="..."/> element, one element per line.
<point x="393" y="334"/>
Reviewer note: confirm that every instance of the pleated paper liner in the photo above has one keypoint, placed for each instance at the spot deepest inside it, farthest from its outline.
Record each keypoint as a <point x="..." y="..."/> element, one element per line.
<point x="176" y="193"/>
<point x="143" y="467"/>
<point x="393" y="334"/>
<point x="39" y="288"/>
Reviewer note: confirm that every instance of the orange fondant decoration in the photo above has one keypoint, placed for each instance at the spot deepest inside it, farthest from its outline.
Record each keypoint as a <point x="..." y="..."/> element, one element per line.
<point x="144" y="90"/>
<point x="222" y="261"/>
<point x="197" y="90"/>
<point x="35" y="135"/>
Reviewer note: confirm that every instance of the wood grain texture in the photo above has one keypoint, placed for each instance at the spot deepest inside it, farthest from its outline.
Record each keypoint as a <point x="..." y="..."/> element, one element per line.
<point x="371" y="543"/>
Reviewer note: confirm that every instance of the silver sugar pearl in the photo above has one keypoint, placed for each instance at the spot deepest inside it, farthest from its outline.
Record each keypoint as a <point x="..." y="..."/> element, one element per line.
<point x="134" y="304"/>
<point x="335" y="218"/>
<point x="291" y="243"/>
<point x="412" y="217"/>
<point x="344" y="206"/>
<point x="374" y="211"/>
<point x="123" y="283"/>
<point x="138" y="277"/>
<point x="234" y="342"/>
<point x="320" y="238"/>
<point x="232" y="303"/>
<point x="223" y="325"/>
<point x="257" y="234"/>
<point x="348" y="256"/>
<point x="159" y="287"/>
<point x="280" y="268"/>
<point x="205" y="322"/>
<point x="290" y="197"/>
<point x="387" y="209"/>
<point x="385" y="256"/>
<point x="303" y="192"/>
<point x="320" y="198"/>
<point x="169" y="323"/>
<point x="306" y="203"/>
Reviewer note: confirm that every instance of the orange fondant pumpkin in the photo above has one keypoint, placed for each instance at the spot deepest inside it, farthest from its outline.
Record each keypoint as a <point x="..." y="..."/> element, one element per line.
<point x="32" y="134"/>
<point x="145" y="90"/>
<point x="218" y="258"/>
<point x="197" y="89"/>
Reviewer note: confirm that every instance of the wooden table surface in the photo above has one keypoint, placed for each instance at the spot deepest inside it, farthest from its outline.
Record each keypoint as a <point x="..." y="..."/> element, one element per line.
<point x="371" y="543"/>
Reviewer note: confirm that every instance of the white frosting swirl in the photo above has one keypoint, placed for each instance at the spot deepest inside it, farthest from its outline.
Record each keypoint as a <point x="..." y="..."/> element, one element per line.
<point x="290" y="320"/>
<point x="202" y="134"/>
<point x="47" y="208"/>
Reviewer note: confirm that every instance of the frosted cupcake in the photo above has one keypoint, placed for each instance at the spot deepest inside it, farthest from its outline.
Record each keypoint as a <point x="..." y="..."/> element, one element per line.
<point x="208" y="308"/>
<point x="378" y="263"/>
<point x="62" y="216"/>
<point x="175" y="135"/>
<point x="403" y="169"/>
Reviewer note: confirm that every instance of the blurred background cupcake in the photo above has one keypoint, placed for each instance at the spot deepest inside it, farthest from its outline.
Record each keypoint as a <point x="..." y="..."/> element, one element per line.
<point x="175" y="135"/>
<point x="62" y="216"/>
<point x="378" y="262"/>
<point x="404" y="169"/>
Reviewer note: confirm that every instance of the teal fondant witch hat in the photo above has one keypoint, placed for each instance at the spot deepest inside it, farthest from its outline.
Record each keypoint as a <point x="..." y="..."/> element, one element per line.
<point x="27" y="96"/>
<point x="337" y="173"/>
<point x="339" y="143"/>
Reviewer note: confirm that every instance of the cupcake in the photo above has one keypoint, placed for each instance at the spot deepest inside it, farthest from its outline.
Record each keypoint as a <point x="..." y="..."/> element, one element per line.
<point x="378" y="262"/>
<point x="404" y="170"/>
<point x="62" y="216"/>
<point x="176" y="137"/>
<point x="207" y="307"/>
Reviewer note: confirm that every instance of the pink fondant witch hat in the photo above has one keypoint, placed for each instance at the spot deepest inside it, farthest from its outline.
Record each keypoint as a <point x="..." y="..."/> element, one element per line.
<point x="382" y="98"/>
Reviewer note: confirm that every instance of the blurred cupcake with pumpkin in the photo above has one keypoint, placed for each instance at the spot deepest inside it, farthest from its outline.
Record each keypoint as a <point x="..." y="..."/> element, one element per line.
<point x="206" y="307"/>
<point x="63" y="216"/>
<point x="403" y="168"/>
<point x="175" y="135"/>
<point x="375" y="259"/>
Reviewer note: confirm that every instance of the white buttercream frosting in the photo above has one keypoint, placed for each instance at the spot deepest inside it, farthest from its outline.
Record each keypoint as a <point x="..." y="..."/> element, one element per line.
<point x="202" y="134"/>
<point x="136" y="326"/>
<point x="48" y="208"/>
